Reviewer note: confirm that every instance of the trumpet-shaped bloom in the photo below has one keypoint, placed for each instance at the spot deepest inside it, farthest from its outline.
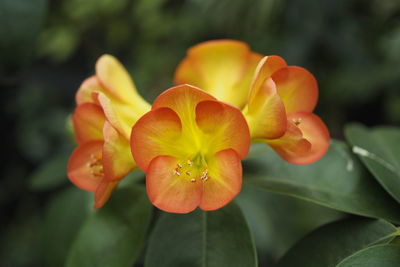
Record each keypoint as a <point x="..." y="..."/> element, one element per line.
<point x="190" y="146"/>
<point x="108" y="106"/>
<point x="276" y="99"/>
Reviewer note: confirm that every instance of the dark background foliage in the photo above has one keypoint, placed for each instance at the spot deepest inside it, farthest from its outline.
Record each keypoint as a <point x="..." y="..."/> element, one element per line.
<point x="48" y="47"/>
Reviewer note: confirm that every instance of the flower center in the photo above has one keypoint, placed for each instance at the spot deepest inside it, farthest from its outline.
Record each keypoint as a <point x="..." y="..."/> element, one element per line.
<point x="194" y="169"/>
<point x="95" y="165"/>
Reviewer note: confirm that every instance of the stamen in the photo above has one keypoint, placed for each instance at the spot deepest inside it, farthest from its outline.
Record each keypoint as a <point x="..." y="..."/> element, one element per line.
<point x="96" y="166"/>
<point x="98" y="171"/>
<point x="175" y="172"/>
<point x="190" y="169"/>
<point x="204" y="175"/>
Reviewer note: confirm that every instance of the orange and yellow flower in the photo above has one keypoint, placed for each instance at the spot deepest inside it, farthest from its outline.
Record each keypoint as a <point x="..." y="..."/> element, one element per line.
<point x="190" y="145"/>
<point x="191" y="141"/>
<point x="277" y="100"/>
<point x="108" y="106"/>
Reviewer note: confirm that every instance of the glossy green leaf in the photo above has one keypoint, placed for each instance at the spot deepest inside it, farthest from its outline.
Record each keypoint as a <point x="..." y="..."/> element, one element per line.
<point x="379" y="150"/>
<point x="64" y="216"/>
<point x="338" y="181"/>
<point x="278" y="221"/>
<point x="114" y="234"/>
<point x="213" y="239"/>
<point x="387" y="255"/>
<point x="396" y="240"/>
<point x="330" y="244"/>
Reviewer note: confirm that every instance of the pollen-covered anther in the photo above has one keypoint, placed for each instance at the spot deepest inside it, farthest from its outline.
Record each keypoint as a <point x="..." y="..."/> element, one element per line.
<point x="189" y="162"/>
<point x="96" y="166"/>
<point x="176" y="172"/>
<point x="179" y="165"/>
<point x="297" y="121"/>
<point x="204" y="176"/>
<point x="98" y="171"/>
<point x="188" y="173"/>
<point x="193" y="180"/>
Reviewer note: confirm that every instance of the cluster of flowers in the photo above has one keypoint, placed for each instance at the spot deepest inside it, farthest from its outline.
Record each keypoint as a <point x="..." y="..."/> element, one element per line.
<point x="191" y="141"/>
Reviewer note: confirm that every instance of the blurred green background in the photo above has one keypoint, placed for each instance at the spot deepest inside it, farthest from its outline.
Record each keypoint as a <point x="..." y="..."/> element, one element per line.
<point x="48" y="47"/>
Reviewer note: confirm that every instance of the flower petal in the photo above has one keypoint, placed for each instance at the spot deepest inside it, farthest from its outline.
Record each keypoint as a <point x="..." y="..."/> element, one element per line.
<point x="88" y="120"/>
<point x="265" y="112"/>
<point x="297" y="88"/>
<point x="117" y="157"/>
<point x="114" y="77"/>
<point x="114" y="90"/>
<point x="168" y="191"/>
<point x="104" y="192"/>
<point x="314" y="131"/>
<point x="291" y="146"/>
<point x="80" y="171"/>
<point x="224" y="127"/>
<point x="266" y="66"/>
<point x="305" y="143"/>
<point x="187" y="73"/>
<point x="86" y="90"/>
<point x="183" y="99"/>
<point x="205" y="62"/>
<point x="117" y="81"/>
<point x="122" y="116"/>
<point x="223" y="68"/>
<point x="155" y="134"/>
<point x="224" y="181"/>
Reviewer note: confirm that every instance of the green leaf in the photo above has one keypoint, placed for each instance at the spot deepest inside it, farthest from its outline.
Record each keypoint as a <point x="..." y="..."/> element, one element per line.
<point x="284" y="220"/>
<point x="213" y="239"/>
<point x="387" y="255"/>
<point x="337" y="181"/>
<point x="64" y="217"/>
<point x="330" y="244"/>
<point x="113" y="235"/>
<point x="379" y="150"/>
<point x="51" y="173"/>
<point x="396" y="240"/>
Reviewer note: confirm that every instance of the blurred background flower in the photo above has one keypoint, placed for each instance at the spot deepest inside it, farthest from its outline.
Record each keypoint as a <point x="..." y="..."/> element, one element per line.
<point x="48" y="47"/>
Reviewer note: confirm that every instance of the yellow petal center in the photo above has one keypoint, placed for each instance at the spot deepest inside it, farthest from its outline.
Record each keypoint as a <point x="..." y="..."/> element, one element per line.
<point x="192" y="169"/>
